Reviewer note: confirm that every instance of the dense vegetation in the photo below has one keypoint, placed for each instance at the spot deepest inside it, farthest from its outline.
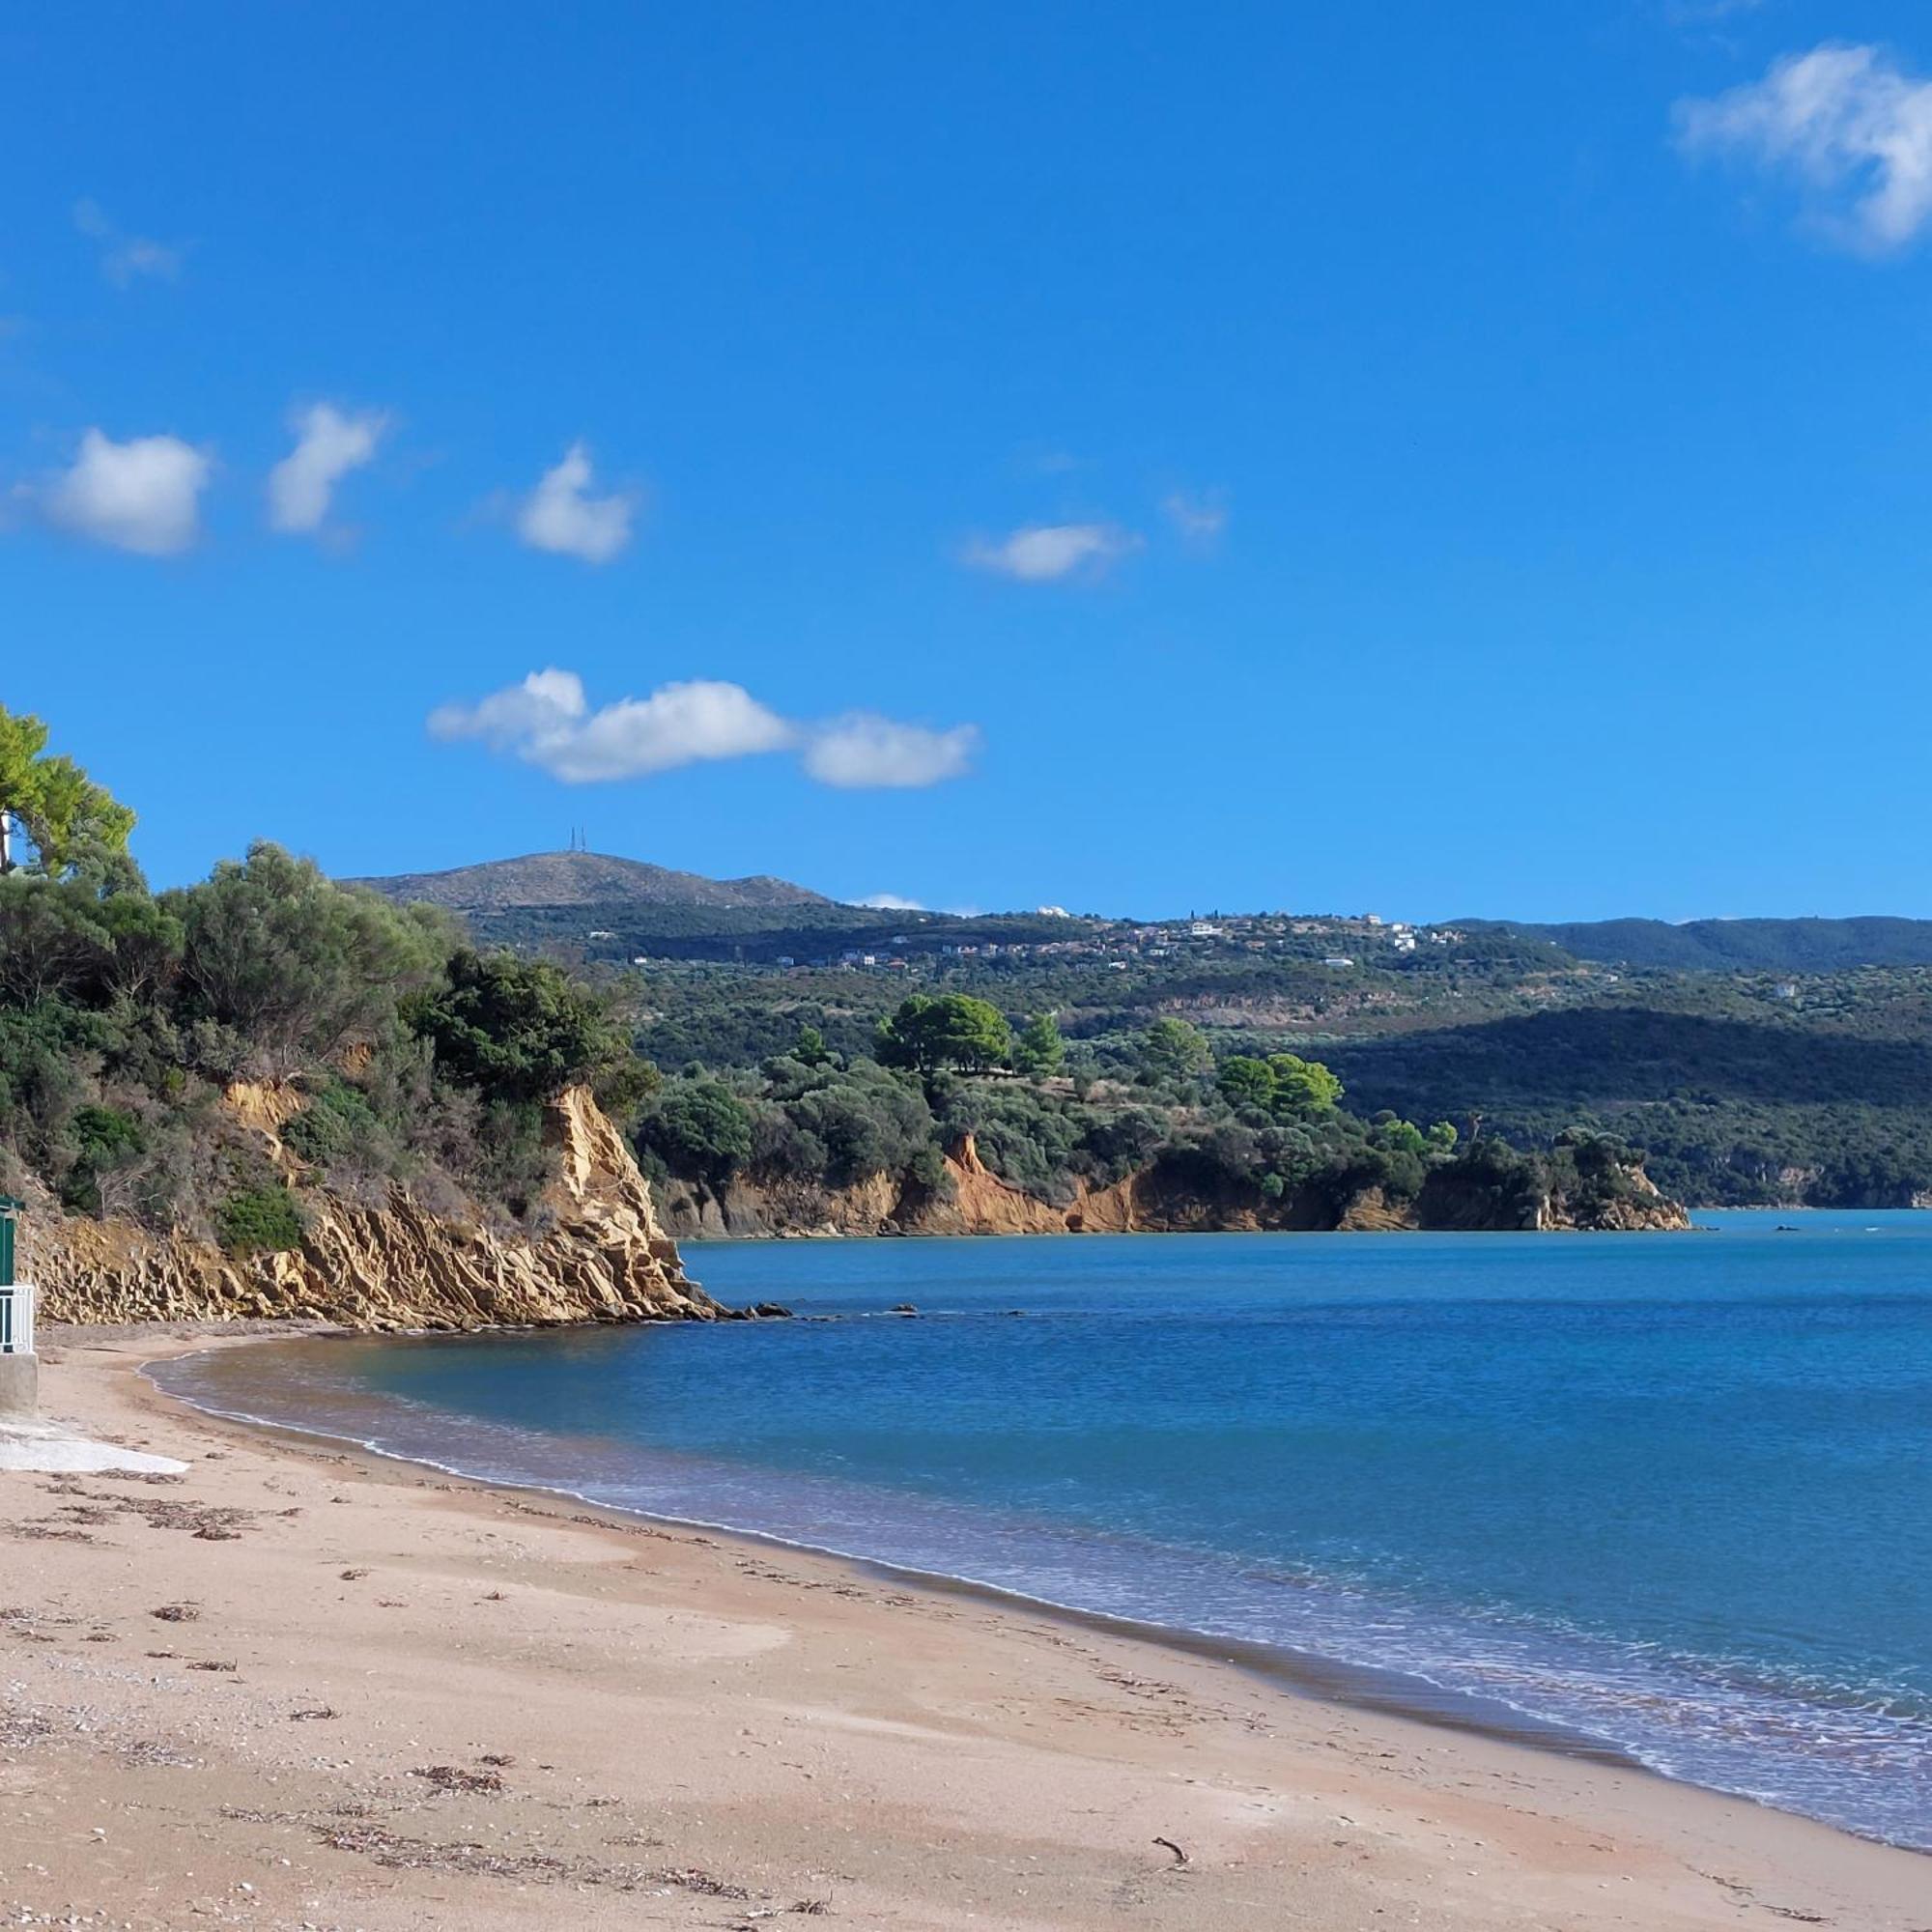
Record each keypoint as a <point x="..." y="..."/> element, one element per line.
<point x="755" y="935"/>
<point x="1071" y="1050"/>
<point x="1792" y="946"/>
<point x="123" y="1016"/>
<point x="1243" y="1132"/>
<point x="1743" y="1087"/>
<point x="1738" y="1097"/>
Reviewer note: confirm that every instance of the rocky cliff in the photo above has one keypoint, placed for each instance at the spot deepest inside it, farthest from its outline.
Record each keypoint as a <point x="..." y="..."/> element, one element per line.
<point x="1173" y="1195"/>
<point x="597" y="1251"/>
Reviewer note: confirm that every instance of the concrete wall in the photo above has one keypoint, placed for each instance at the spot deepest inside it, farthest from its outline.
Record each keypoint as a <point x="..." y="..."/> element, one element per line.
<point x="20" y="1384"/>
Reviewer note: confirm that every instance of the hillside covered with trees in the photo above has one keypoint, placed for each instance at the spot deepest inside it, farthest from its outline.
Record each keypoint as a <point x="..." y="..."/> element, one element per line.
<point x="126" y="1017"/>
<point x="1067" y="1054"/>
<point x="1743" y="1087"/>
<point x="399" y="1054"/>
<point x="951" y="1085"/>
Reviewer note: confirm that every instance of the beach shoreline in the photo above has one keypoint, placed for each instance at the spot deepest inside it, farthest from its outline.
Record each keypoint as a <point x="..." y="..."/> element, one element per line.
<point x="696" y="1727"/>
<point x="1300" y="1673"/>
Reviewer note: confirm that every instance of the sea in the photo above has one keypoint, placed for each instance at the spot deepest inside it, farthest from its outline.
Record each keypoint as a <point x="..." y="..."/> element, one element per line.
<point x="1665" y="1498"/>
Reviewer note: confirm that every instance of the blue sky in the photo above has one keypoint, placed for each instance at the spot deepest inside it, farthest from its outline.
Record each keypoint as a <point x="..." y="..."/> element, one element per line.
<point x="1425" y="459"/>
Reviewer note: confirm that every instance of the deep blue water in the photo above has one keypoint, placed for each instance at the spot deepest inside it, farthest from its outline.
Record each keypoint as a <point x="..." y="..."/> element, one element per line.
<point x="1672" y="1493"/>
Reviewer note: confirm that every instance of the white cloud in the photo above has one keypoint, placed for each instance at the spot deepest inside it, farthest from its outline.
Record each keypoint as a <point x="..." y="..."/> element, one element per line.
<point x="1044" y="552"/>
<point x="890" y="902"/>
<point x="123" y="257"/>
<point x="548" y="721"/>
<point x="1200" y="519"/>
<point x="143" y="495"/>
<point x="518" y="717"/>
<point x="561" y="515"/>
<point x="863" y="751"/>
<point x="329" y="446"/>
<point x="1853" y="127"/>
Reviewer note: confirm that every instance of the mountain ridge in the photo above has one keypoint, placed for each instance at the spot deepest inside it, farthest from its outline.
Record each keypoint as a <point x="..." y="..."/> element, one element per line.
<point x="558" y="879"/>
<point x="1798" y="946"/>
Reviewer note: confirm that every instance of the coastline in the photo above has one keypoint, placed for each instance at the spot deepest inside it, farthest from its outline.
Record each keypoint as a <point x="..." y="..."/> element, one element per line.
<point x="1300" y="1673"/>
<point x="693" y="1716"/>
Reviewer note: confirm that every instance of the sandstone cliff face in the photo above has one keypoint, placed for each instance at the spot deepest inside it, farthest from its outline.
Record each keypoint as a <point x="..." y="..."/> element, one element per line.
<point x="1642" y="1211"/>
<point x="601" y="1255"/>
<point x="972" y="1200"/>
<point x="1167" y="1198"/>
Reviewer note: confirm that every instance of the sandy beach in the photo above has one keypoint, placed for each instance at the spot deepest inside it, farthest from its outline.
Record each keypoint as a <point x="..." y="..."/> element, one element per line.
<point x="301" y="1688"/>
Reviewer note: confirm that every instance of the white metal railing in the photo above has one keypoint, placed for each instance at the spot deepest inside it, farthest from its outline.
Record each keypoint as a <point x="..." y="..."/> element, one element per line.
<point x="17" y="1318"/>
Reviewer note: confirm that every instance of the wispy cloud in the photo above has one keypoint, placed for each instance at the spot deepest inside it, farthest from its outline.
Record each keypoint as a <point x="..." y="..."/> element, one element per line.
<point x="1847" y="124"/>
<point x="1046" y="553"/>
<point x="548" y="721"/>
<point x="862" y="751"/>
<point x="126" y="258"/>
<point x="890" y="902"/>
<point x="561" y="515"/>
<point x="142" y="495"/>
<point x="1199" y="516"/>
<point x="329" y="446"/>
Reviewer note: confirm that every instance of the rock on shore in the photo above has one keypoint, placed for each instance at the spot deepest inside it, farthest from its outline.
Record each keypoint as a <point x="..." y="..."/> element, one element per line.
<point x="599" y="1253"/>
<point x="1172" y="1196"/>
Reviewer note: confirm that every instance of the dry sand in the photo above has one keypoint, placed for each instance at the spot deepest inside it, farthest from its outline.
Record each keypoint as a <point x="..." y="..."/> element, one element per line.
<point x="302" y="1688"/>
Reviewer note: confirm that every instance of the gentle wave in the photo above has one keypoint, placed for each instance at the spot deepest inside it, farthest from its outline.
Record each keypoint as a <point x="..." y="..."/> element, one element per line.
<point x="1851" y="1755"/>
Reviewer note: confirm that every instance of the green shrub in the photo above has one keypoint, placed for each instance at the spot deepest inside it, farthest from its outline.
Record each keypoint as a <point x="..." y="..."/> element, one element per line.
<point x="697" y="1128"/>
<point x="338" y="1122"/>
<point x="522" y="1030"/>
<point x="103" y="1139"/>
<point x="259" y="1220"/>
<point x="865" y="1120"/>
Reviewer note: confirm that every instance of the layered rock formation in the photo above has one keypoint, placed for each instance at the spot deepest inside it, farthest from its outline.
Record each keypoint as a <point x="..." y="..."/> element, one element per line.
<point x="599" y="1253"/>
<point x="1173" y="1195"/>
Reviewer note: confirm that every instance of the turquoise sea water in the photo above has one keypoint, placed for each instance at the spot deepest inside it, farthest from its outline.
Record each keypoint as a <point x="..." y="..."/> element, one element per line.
<point x="1668" y="1493"/>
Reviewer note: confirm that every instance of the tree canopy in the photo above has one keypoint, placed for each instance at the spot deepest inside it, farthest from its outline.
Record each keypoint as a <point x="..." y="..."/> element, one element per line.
<point x="520" y="1030"/>
<point x="294" y="963"/>
<point x="954" y="1029"/>
<point x="1284" y="1085"/>
<point x="1039" y="1051"/>
<point x="698" y="1127"/>
<point x="70" y="821"/>
<point x="1170" y="1049"/>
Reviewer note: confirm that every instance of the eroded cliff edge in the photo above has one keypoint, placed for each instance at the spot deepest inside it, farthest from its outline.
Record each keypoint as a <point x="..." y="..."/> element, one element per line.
<point x="1175" y="1195"/>
<point x="595" y="1250"/>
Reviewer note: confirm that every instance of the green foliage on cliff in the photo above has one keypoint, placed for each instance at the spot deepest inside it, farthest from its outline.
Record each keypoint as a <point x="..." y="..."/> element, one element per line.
<point x="1234" y="1143"/>
<point x="519" y="1030"/>
<point x="124" y="1015"/>
<point x="698" y="1127"/>
<point x="291" y="967"/>
<point x="258" y="1220"/>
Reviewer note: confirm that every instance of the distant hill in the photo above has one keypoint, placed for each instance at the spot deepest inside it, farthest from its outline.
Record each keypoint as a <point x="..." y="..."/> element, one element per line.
<point x="549" y="880"/>
<point x="1734" y="945"/>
